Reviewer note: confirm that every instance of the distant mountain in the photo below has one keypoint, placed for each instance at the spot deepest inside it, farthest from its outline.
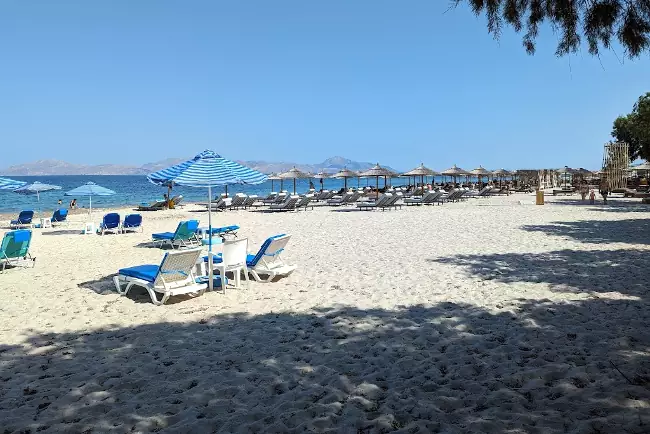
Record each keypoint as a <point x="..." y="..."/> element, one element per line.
<point x="56" y="167"/>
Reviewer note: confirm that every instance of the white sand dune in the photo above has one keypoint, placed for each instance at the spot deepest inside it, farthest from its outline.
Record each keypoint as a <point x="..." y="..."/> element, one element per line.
<point x="483" y="316"/>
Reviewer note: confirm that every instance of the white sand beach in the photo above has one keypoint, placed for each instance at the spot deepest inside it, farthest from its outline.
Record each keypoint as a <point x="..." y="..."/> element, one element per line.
<point x="490" y="315"/>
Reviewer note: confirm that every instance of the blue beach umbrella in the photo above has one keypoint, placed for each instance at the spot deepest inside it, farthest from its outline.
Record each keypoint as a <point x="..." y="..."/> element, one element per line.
<point x="208" y="169"/>
<point x="90" y="189"/>
<point x="10" y="184"/>
<point x="36" y="188"/>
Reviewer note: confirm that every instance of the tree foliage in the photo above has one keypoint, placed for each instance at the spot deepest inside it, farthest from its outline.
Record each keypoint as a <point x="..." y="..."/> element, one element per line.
<point x="597" y="21"/>
<point x="634" y="129"/>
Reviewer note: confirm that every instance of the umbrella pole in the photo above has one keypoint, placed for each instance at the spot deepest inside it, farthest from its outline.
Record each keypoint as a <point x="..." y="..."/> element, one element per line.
<point x="226" y="191"/>
<point x="345" y="184"/>
<point x="294" y="186"/>
<point x="210" y="271"/>
<point x="378" y="187"/>
<point x="271" y="185"/>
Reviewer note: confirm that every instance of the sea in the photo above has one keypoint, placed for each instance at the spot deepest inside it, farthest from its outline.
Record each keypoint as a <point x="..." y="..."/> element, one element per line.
<point x="132" y="190"/>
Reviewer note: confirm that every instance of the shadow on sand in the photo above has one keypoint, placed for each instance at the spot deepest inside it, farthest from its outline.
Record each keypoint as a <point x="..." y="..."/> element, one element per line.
<point x="633" y="231"/>
<point x="543" y="367"/>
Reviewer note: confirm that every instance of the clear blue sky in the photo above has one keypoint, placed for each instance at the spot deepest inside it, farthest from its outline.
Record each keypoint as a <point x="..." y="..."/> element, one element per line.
<point x="128" y="81"/>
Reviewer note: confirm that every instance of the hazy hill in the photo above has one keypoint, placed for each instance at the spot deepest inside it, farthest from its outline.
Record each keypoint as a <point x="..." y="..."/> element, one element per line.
<point x="57" y="167"/>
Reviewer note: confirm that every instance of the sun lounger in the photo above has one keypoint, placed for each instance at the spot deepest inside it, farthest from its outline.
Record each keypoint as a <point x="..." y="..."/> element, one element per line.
<point x="132" y="222"/>
<point x="270" y="198"/>
<point x="267" y="263"/>
<point x="176" y="201"/>
<point x="237" y="201"/>
<point x="428" y="198"/>
<point x="110" y="223"/>
<point x="24" y="219"/>
<point x="252" y="201"/>
<point x="153" y="206"/>
<point x="346" y="199"/>
<point x="184" y="236"/>
<point x="288" y="205"/>
<point x="14" y="249"/>
<point x="391" y="203"/>
<point x="217" y="205"/>
<point x="226" y="230"/>
<point x="60" y="216"/>
<point x="174" y="276"/>
<point x="305" y="202"/>
<point x="381" y="200"/>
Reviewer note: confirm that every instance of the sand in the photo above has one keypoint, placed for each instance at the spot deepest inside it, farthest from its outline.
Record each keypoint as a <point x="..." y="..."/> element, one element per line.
<point x="491" y="315"/>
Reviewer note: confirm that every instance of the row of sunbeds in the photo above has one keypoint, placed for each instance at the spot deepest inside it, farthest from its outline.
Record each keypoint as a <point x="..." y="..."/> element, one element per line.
<point x="25" y="218"/>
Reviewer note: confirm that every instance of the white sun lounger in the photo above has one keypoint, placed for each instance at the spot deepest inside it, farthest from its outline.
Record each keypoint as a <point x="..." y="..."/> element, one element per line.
<point x="174" y="276"/>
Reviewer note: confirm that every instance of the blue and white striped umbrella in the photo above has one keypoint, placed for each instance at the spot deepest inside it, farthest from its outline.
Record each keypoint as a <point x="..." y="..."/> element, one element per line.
<point x="207" y="169"/>
<point x="10" y="184"/>
<point x="90" y="189"/>
<point x="36" y="188"/>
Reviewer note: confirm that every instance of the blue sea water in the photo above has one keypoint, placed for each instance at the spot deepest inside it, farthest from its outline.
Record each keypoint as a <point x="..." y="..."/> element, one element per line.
<point x="133" y="190"/>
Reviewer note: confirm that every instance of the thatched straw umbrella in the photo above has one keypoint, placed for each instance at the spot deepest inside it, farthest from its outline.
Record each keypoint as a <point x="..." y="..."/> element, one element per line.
<point x="345" y="173"/>
<point x="501" y="173"/>
<point x="421" y="171"/>
<point x="480" y="171"/>
<point x="377" y="171"/>
<point x="455" y="171"/>
<point x="321" y="176"/>
<point x="273" y="177"/>
<point x="294" y="174"/>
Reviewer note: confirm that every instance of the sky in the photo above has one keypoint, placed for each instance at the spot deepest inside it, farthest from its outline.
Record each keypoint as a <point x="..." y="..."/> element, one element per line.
<point x="398" y="83"/>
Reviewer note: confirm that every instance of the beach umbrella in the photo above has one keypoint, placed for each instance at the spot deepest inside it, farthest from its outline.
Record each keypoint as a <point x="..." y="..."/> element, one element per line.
<point x="642" y="166"/>
<point x="321" y="176"/>
<point x="501" y="173"/>
<point x="480" y="171"/>
<point x="455" y="171"/>
<point x="206" y="170"/>
<point x="293" y="174"/>
<point x="377" y="171"/>
<point x="36" y="188"/>
<point x="272" y="177"/>
<point x="10" y="184"/>
<point x="421" y="171"/>
<point x="345" y="173"/>
<point x="90" y="189"/>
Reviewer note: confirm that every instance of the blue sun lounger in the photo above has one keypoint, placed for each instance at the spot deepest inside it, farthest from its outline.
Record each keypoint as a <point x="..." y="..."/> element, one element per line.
<point x="132" y="222"/>
<point x="110" y="223"/>
<point x="184" y="236"/>
<point x="267" y="263"/>
<point x="174" y="276"/>
<point x="60" y="216"/>
<point x="24" y="219"/>
<point x="14" y="249"/>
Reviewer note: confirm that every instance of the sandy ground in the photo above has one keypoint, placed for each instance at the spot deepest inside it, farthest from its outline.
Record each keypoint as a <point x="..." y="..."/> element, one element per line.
<point x="491" y="315"/>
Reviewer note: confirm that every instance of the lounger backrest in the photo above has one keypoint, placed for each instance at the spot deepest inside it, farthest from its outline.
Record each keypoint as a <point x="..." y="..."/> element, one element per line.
<point x="291" y="202"/>
<point x="60" y="215"/>
<point x="234" y="252"/>
<point x="237" y="200"/>
<point x="132" y="221"/>
<point x="186" y="229"/>
<point x="111" y="220"/>
<point x="177" y="199"/>
<point x="25" y="217"/>
<point x="15" y="244"/>
<point x="177" y="266"/>
<point x="271" y="248"/>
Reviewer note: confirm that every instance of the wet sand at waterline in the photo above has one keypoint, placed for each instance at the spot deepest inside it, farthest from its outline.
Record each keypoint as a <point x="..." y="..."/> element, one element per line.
<point x="490" y="315"/>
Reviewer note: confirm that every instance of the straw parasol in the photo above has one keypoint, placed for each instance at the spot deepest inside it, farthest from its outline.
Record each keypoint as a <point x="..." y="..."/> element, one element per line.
<point x="421" y="171"/>
<point x="273" y="177"/>
<point x="294" y="174"/>
<point x="377" y="171"/>
<point x="480" y="171"/>
<point x="345" y="173"/>
<point x="565" y="172"/>
<point x="321" y="176"/>
<point x="455" y="171"/>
